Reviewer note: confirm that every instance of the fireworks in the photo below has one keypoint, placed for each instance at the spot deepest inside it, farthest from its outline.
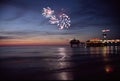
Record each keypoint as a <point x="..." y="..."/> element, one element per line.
<point x="62" y="21"/>
<point x="54" y="20"/>
<point x="47" y="12"/>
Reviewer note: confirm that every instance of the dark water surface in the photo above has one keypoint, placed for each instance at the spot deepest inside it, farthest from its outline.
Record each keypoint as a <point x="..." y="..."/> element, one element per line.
<point x="59" y="63"/>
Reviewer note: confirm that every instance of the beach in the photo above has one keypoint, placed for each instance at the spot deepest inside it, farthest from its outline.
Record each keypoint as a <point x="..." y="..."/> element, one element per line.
<point x="59" y="63"/>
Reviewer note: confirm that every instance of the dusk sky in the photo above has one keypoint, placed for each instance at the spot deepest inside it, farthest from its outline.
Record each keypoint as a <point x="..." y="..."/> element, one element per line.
<point x="22" y="22"/>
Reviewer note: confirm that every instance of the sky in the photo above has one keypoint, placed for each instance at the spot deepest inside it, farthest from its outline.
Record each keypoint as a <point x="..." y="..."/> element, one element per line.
<point x="22" y="22"/>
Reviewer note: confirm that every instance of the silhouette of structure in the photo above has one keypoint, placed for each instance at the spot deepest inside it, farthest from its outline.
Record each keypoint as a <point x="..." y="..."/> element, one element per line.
<point x="74" y="43"/>
<point x="105" y="35"/>
<point x="100" y="42"/>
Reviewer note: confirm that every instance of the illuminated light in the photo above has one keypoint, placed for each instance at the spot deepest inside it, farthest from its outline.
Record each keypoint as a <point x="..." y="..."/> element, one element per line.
<point x="103" y="30"/>
<point x="106" y="30"/>
<point x="108" y="69"/>
<point x="112" y="40"/>
<point x="118" y="40"/>
<point x="109" y="40"/>
<point x="95" y="40"/>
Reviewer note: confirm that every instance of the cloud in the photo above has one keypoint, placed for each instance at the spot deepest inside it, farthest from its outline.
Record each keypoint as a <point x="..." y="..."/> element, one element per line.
<point x="6" y="37"/>
<point x="24" y="34"/>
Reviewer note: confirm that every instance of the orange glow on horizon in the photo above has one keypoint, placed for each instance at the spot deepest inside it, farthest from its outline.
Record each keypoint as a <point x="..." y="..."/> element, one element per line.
<point x="33" y="42"/>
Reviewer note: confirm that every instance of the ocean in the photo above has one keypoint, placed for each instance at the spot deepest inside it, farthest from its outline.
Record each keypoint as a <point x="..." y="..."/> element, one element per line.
<point x="59" y="63"/>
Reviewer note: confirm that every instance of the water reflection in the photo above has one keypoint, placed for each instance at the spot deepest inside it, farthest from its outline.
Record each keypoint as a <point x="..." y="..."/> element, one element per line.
<point x="106" y="51"/>
<point x="108" y="69"/>
<point x="62" y="53"/>
<point x="65" y="76"/>
<point x="94" y="50"/>
<point x="63" y="64"/>
<point x="78" y="54"/>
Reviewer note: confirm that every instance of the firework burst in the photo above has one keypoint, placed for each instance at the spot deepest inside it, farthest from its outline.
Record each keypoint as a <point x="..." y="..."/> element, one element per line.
<point x="54" y="20"/>
<point x="48" y="12"/>
<point x="62" y="21"/>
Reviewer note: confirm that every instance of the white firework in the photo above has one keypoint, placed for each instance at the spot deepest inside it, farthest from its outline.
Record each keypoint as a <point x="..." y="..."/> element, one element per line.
<point x="64" y="21"/>
<point x="53" y="20"/>
<point x="48" y="12"/>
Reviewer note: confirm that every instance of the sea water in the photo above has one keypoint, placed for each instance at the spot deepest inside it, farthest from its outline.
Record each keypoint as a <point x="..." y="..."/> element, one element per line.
<point x="58" y="62"/>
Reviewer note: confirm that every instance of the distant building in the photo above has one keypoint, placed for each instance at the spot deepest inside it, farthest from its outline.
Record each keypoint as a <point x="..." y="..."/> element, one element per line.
<point x="74" y="43"/>
<point x="99" y="42"/>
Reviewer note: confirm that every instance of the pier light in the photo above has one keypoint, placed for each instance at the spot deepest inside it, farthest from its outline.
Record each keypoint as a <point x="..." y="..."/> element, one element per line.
<point x="118" y="40"/>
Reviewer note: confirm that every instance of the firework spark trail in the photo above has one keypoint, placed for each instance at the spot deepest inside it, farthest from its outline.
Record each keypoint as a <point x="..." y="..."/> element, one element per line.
<point x="48" y="12"/>
<point x="54" y="20"/>
<point x="62" y="21"/>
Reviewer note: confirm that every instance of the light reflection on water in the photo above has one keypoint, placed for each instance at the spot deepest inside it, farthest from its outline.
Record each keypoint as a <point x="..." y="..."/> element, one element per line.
<point x="55" y="50"/>
<point x="106" y="51"/>
<point x="108" y="69"/>
<point x="57" y="58"/>
<point x="64" y="75"/>
<point x="62" y="52"/>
